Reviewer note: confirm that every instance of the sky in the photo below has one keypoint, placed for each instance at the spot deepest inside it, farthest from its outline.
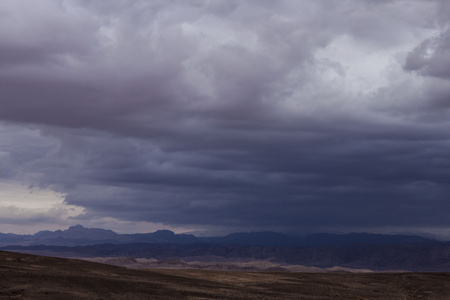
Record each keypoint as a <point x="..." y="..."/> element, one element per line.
<point x="218" y="116"/>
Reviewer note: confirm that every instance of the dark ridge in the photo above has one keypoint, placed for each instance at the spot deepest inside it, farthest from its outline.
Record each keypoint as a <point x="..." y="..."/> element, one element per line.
<point x="433" y="257"/>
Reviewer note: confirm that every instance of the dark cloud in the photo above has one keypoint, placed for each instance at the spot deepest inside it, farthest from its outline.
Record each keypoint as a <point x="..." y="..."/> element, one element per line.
<point x="290" y="115"/>
<point x="431" y="57"/>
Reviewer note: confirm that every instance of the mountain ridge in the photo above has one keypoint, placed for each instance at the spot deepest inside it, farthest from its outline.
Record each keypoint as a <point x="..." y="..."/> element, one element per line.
<point x="80" y="236"/>
<point x="415" y="257"/>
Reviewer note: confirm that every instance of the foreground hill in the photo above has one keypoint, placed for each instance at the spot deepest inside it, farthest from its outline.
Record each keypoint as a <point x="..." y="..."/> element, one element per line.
<point x="25" y="276"/>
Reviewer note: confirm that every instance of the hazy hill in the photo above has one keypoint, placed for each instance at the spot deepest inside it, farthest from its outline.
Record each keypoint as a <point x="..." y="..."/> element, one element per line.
<point x="324" y="239"/>
<point x="79" y="232"/>
<point x="321" y="239"/>
<point x="161" y="236"/>
<point x="81" y="236"/>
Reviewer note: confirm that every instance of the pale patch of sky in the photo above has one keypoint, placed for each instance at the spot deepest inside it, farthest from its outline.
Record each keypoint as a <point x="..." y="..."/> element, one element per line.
<point x="20" y="204"/>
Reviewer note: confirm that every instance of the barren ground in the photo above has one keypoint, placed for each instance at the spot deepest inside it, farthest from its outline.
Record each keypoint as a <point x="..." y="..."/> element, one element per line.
<point x="25" y="276"/>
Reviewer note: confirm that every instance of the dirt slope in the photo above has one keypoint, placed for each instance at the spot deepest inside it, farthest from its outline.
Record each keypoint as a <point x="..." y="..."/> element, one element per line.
<point x="36" y="277"/>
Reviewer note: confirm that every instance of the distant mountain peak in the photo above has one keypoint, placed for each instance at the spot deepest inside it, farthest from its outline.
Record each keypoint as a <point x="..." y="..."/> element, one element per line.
<point x="165" y="232"/>
<point x="78" y="226"/>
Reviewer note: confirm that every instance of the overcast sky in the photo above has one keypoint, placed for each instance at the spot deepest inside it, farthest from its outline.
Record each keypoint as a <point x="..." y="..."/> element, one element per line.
<point x="216" y="116"/>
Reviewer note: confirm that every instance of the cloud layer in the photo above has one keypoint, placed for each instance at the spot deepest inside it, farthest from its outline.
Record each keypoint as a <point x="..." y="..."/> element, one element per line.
<point x="239" y="115"/>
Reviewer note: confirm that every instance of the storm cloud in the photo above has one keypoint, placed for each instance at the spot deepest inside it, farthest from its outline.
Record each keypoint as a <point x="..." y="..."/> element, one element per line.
<point x="295" y="116"/>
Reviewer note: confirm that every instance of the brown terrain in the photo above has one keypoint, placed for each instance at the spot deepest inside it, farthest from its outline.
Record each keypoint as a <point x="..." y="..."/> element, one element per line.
<point x="24" y="276"/>
<point x="208" y="263"/>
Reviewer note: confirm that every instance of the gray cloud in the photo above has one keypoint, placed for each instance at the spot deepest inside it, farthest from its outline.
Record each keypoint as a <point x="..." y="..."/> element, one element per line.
<point x="431" y="57"/>
<point x="290" y="115"/>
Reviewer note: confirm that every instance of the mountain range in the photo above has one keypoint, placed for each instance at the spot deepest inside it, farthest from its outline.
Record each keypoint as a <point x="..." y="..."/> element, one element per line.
<point x="81" y="236"/>
<point x="355" y="250"/>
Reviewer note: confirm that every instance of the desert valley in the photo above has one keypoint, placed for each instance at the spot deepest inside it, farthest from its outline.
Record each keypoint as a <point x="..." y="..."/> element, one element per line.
<point x="264" y="265"/>
<point x="24" y="276"/>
